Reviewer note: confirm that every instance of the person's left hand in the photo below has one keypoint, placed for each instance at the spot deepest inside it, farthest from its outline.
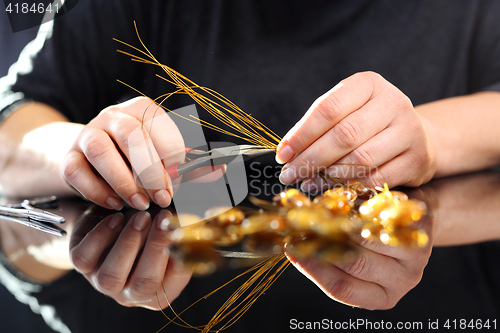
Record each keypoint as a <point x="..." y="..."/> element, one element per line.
<point x="376" y="278"/>
<point x="364" y="120"/>
<point x="129" y="261"/>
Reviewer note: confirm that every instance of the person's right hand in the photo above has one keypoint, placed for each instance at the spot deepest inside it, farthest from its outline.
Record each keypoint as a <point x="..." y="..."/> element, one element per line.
<point x="97" y="165"/>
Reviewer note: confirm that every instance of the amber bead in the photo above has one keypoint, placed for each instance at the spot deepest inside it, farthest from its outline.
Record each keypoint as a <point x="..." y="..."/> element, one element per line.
<point x="349" y="193"/>
<point x="292" y="198"/>
<point x="335" y="203"/>
<point x="263" y="243"/>
<point x="201" y="261"/>
<point x="224" y="215"/>
<point x="408" y="237"/>
<point x="199" y="233"/>
<point x="301" y="245"/>
<point x="270" y="222"/>
<point x="363" y="190"/>
<point x="306" y="219"/>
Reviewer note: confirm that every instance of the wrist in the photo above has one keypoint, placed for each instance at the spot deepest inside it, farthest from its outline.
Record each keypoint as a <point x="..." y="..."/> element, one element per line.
<point x="435" y="144"/>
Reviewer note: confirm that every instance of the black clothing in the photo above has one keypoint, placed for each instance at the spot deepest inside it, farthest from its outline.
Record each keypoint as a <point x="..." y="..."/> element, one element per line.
<point x="272" y="59"/>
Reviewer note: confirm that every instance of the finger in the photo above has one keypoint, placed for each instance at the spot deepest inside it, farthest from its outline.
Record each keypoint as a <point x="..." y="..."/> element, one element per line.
<point x="175" y="280"/>
<point x="134" y="141"/>
<point x="351" y="132"/>
<point x="344" y="288"/>
<point x="165" y="135"/>
<point x="83" y="227"/>
<point x="86" y="254"/>
<point x="78" y="173"/>
<point x="110" y="278"/>
<point x="149" y="168"/>
<point x="385" y="271"/>
<point x="163" y="142"/>
<point x="205" y="174"/>
<point x="404" y="254"/>
<point x="380" y="149"/>
<point x="346" y="97"/>
<point x="101" y="152"/>
<point x="148" y="275"/>
<point x="396" y="171"/>
<point x="363" y="162"/>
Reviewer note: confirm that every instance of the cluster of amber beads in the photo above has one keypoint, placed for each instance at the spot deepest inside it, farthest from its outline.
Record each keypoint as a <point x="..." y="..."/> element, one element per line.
<point x="389" y="216"/>
<point x="293" y="223"/>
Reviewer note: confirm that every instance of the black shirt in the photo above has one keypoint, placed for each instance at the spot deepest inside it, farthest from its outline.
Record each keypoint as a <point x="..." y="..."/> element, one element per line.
<point x="271" y="58"/>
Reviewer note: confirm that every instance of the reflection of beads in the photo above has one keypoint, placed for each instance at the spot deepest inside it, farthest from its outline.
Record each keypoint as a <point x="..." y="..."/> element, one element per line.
<point x="322" y="228"/>
<point x="388" y="216"/>
<point x="334" y="202"/>
<point x="225" y="215"/>
<point x="292" y="198"/>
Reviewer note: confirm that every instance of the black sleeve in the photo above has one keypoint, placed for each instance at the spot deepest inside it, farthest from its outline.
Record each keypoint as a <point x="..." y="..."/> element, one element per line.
<point x="73" y="65"/>
<point x="485" y="48"/>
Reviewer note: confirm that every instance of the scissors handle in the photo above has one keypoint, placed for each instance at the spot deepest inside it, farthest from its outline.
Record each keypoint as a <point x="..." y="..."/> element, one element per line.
<point x="216" y="156"/>
<point x="173" y="171"/>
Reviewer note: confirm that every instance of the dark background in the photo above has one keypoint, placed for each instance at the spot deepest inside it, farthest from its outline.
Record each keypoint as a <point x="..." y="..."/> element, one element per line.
<point x="15" y="316"/>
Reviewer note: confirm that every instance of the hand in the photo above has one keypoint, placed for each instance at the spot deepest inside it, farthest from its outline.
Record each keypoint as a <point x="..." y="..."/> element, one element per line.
<point x="97" y="165"/>
<point x="376" y="278"/>
<point x="364" y="120"/>
<point x="128" y="261"/>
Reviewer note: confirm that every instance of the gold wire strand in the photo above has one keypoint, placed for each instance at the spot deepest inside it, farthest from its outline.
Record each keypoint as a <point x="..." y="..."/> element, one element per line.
<point x="264" y="280"/>
<point x="240" y="125"/>
<point x="182" y="322"/>
<point x="221" y="108"/>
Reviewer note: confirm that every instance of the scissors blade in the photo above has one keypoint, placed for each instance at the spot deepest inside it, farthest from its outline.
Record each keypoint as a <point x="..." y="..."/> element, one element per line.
<point x="14" y="212"/>
<point x="242" y="255"/>
<point x="44" y="216"/>
<point x="31" y="213"/>
<point x="41" y="226"/>
<point x="223" y="155"/>
<point x="41" y="202"/>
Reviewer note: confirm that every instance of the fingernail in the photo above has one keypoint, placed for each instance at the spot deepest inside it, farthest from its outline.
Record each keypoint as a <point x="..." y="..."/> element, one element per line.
<point x="114" y="203"/>
<point x="284" y="154"/>
<point x="139" y="201"/>
<point x="162" y="198"/>
<point x="309" y="186"/>
<point x="141" y="221"/>
<point x="115" y="221"/>
<point x="163" y="221"/>
<point x="163" y="224"/>
<point x="288" y="176"/>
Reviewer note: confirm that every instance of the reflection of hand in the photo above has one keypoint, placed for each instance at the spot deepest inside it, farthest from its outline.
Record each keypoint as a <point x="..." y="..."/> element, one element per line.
<point x="364" y="120"/>
<point x="376" y="278"/>
<point x="97" y="165"/>
<point x="130" y="262"/>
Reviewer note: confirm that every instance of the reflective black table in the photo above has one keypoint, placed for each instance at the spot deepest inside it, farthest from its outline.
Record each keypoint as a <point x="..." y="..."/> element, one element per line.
<point x="459" y="290"/>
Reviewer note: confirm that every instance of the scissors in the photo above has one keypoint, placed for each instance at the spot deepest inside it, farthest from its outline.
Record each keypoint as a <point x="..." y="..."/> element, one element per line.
<point x="28" y="213"/>
<point x="216" y="156"/>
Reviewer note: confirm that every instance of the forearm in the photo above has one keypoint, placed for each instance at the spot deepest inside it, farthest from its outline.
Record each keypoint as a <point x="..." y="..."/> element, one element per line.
<point x="33" y="142"/>
<point x="464" y="132"/>
<point x="467" y="209"/>
<point x="38" y="256"/>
